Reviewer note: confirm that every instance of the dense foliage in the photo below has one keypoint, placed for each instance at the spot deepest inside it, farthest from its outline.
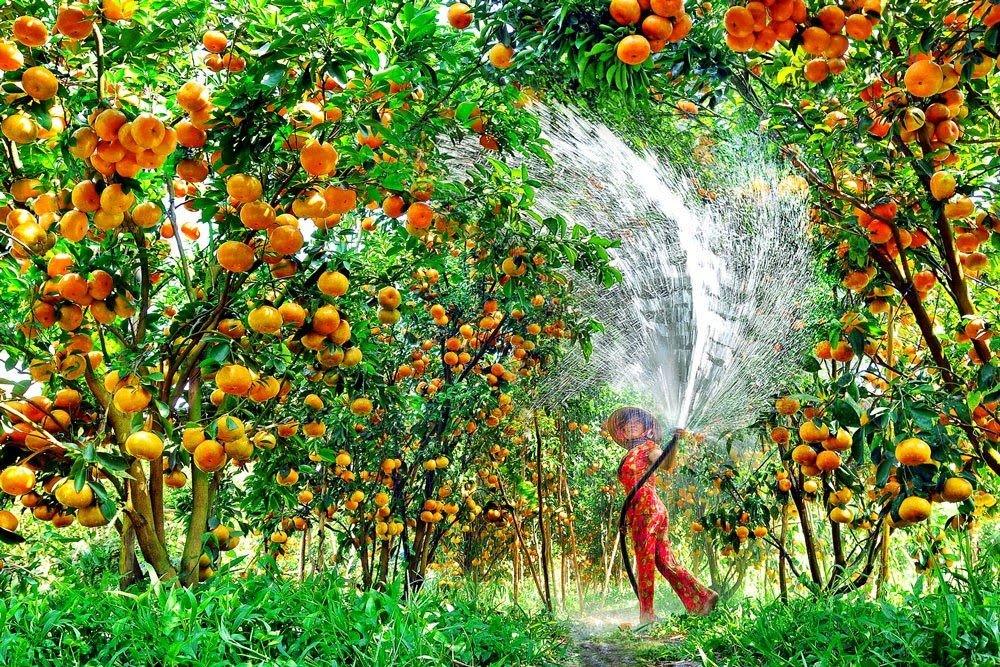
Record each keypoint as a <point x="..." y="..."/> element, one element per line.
<point x="275" y="298"/>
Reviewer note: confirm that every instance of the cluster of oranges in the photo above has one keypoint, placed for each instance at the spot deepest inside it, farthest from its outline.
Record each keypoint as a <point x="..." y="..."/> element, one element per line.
<point x="39" y="82"/>
<point x="220" y="54"/>
<point x="880" y="227"/>
<point x="659" y="21"/>
<point x="759" y="25"/>
<point x="821" y="452"/>
<point x="419" y="214"/>
<point x="116" y="145"/>
<point x="926" y="102"/>
<point x="37" y="423"/>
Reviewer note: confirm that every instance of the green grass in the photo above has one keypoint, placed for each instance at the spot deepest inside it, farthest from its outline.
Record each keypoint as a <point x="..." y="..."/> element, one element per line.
<point x="260" y="621"/>
<point x="942" y="627"/>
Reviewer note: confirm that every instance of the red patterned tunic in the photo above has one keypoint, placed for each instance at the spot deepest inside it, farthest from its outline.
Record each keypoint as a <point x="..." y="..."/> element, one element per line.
<point x="648" y="523"/>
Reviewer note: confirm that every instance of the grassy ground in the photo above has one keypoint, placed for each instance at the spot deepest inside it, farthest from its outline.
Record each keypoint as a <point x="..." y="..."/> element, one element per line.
<point x="939" y="628"/>
<point x="259" y="621"/>
<point x="233" y="621"/>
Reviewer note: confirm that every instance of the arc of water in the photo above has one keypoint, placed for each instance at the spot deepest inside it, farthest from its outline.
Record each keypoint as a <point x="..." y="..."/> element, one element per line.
<point x="703" y="319"/>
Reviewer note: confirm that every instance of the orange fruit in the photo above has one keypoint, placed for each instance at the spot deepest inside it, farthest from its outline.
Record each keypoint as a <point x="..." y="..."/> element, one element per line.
<point x="131" y="398"/>
<point x="804" y="455"/>
<point x="810" y="432"/>
<point x="193" y="96"/>
<point x="500" y="56"/>
<point x="209" y="456"/>
<point x="739" y="21"/>
<point x="786" y="405"/>
<point x="625" y="12"/>
<point x="633" y="50"/>
<point x="666" y="8"/>
<point x="318" y="158"/>
<point x="234" y="379"/>
<point x="815" y="40"/>
<point x="235" y="256"/>
<point x="914" y="509"/>
<point x="144" y="445"/>
<point x="11" y="58"/>
<point x="831" y="18"/>
<point x="243" y="188"/>
<point x="39" y="82"/>
<point x="16" y="480"/>
<point x="30" y="31"/>
<point x="265" y="320"/>
<point x="326" y="320"/>
<point x="913" y="452"/>
<point x="74" y="23"/>
<point x="393" y="206"/>
<point x="858" y="27"/>
<point x="657" y="27"/>
<point x="333" y="283"/>
<point x="956" y="489"/>
<point x="839" y="442"/>
<point x="214" y="41"/>
<point x="285" y="239"/>
<point x="340" y="200"/>
<point x="459" y="15"/>
<point x="67" y="494"/>
<point x="817" y="70"/>
<point x="841" y="515"/>
<point x="118" y="10"/>
<point x="292" y="313"/>
<point x="827" y="460"/>
<point x="20" y="128"/>
<point x="923" y="78"/>
<point x="8" y="521"/>
<point x="361" y="406"/>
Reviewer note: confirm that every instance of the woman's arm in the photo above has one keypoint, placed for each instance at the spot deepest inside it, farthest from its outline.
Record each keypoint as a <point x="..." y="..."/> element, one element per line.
<point x="654" y="455"/>
<point x="668" y="465"/>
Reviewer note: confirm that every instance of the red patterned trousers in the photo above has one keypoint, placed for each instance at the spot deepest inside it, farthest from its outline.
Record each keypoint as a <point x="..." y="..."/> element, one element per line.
<point x="652" y="553"/>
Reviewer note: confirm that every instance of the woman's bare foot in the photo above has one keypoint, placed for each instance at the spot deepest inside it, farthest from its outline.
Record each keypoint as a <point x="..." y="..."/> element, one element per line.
<point x="708" y="606"/>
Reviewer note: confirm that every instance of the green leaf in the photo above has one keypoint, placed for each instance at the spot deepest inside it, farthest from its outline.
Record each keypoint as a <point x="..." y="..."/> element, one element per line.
<point x="8" y="537"/>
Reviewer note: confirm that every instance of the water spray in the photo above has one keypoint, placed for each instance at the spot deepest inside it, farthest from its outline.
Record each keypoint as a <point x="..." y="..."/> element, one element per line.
<point x="716" y="276"/>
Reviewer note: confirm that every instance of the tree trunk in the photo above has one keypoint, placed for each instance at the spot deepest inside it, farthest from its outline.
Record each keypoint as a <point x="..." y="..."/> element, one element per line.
<point x="883" y="571"/>
<point x="839" y="559"/>
<point x="383" y="562"/>
<point x="302" y="553"/>
<point x="200" y="500"/>
<point x="571" y="530"/>
<point x="156" y="496"/>
<point x="713" y="568"/>
<point x="516" y="568"/>
<point x="807" y="534"/>
<point x="366" y="570"/>
<point x="128" y="566"/>
<point x="138" y="508"/>
<point x="610" y="567"/>
<point x="320" y="542"/>
<point x="539" y="474"/>
<point x="782" y="565"/>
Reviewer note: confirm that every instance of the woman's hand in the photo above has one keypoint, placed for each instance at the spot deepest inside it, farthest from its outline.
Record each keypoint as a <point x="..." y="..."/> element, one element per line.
<point x="654" y="455"/>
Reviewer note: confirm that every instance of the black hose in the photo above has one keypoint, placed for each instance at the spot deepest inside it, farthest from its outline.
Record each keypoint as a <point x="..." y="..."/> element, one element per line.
<point x="629" y="499"/>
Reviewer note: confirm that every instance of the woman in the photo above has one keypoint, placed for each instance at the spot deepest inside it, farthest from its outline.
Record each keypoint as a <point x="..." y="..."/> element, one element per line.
<point x="638" y="431"/>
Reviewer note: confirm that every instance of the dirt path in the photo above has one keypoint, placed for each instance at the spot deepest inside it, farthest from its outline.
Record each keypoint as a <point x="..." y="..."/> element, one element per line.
<point x="595" y="647"/>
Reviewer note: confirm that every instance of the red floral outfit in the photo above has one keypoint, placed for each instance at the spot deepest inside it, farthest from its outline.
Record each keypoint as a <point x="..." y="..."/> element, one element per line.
<point x="647" y="518"/>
